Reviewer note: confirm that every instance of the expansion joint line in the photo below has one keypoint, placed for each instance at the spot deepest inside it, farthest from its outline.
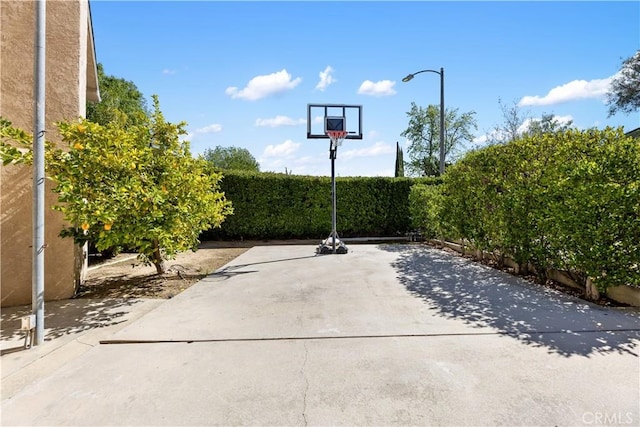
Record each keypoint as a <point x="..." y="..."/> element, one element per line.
<point x="306" y="380"/>
<point x="348" y="337"/>
<point x="84" y="343"/>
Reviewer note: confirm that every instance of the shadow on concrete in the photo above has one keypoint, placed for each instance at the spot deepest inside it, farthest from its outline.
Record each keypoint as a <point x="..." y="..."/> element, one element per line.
<point x="72" y="316"/>
<point x="232" y="270"/>
<point x="135" y="286"/>
<point x="459" y="288"/>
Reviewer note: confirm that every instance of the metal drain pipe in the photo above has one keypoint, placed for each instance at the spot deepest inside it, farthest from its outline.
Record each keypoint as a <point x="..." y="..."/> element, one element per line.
<point x="37" y="276"/>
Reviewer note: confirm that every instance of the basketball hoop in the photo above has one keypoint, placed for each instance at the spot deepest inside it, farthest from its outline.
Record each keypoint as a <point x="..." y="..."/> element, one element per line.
<point x="335" y="128"/>
<point x="336" y="137"/>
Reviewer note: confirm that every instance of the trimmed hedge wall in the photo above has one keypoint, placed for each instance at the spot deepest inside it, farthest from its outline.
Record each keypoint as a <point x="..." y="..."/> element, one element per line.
<point x="568" y="201"/>
<point x="280" y="206"/>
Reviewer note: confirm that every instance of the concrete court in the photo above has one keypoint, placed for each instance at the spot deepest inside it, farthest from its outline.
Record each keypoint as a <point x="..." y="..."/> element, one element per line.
<point x="385" y="335"/>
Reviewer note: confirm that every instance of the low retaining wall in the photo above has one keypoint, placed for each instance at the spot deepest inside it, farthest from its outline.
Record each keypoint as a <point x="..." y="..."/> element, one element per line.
<point x="623" y="294"/>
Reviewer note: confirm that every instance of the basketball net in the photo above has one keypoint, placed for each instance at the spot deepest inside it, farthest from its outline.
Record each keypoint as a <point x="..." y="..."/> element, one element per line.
<point x="336" y="136"/>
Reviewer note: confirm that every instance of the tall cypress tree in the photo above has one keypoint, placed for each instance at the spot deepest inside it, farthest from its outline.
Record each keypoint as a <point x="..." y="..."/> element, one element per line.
<point x="399" y="161"/>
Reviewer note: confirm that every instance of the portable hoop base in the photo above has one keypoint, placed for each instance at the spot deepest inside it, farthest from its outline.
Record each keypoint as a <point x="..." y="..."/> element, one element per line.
<point x="327" y="246"/>
<point x="333" y="244"/>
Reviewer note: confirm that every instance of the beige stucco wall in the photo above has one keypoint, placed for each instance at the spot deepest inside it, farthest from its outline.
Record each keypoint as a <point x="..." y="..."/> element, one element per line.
<point x="66" y="80"/>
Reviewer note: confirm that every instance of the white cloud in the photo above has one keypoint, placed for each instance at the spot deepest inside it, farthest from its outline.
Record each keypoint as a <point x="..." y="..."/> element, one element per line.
<point x="263" y="86"/>
<point x="307" y="160"/>
<point x="318" y="120"/>
<point x="282" y="157"/>
<point x="213" y="128"/>
<point x="372" y="134"/>
<point x="381" y="88"/>
<point x="572" y="91"/>
<point x="188" y="137"/>
<point x="280" y="121"/>
<point x="286" y="149"/>
<point x="326" y="78"/>
<point x="480" y="139"/>
<point x="167" y="71"/>
<point x="377" y="149"/>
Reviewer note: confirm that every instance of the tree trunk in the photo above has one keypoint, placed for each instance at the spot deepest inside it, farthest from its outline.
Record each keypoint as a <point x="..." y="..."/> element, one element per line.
<point x="542" y="275"/>
<point x="523" y="269"/>
<point x="591" y="291"/>
<point x="158" y="261"/>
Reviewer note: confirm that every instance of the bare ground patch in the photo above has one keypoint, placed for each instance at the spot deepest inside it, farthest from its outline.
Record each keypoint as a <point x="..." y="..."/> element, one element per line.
<point x="124" y="276"/>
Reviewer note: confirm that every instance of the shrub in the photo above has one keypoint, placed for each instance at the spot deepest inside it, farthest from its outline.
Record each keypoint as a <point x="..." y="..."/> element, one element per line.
<point x="281" y="206"/>
<point x="567" y="200"/>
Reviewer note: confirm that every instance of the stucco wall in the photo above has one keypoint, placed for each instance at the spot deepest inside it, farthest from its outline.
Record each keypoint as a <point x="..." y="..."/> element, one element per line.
<point x="66" y="48"/>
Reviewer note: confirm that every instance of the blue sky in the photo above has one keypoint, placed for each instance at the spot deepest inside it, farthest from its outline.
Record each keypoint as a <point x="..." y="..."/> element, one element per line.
<point x="242" y="73"/>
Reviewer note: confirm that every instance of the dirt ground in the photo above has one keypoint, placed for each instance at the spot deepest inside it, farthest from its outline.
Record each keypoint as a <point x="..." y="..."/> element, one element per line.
<point x="124" y="276"/>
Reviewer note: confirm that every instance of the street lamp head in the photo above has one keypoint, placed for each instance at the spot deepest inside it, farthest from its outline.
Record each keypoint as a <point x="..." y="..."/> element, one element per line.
<point x="409" y="77"/>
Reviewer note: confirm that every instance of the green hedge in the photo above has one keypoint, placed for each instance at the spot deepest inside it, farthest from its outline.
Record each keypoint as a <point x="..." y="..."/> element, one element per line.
<point x="280" y="206"/>
<point x="569" y="201"/>
<point x="425" y="207"/>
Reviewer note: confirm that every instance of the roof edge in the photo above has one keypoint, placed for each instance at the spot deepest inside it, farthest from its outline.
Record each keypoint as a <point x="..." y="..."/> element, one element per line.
<point x="93" y="86"/>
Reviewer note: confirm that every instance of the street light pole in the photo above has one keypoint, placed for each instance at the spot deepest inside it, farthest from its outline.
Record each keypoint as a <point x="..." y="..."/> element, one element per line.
<point x="442" y="128"/>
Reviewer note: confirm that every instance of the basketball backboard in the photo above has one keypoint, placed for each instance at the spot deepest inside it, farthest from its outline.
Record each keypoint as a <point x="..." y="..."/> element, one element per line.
<point x="327" y="117"/>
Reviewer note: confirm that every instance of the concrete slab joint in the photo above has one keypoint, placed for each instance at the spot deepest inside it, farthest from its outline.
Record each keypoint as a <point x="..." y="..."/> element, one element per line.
<point x="306" y="381"/>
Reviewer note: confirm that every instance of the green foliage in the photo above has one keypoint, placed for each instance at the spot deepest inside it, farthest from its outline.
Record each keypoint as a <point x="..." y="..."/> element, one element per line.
<point x="136" y="187"/>
<point x="518" y="124"/>
<point x="423" y="133"/>
<point x="232" y="158"/>
<point x="15" y="144"/>
<point x="568" y="200"/>
<point x="425" y="207"/>
<point x="624" y="94"/>
<point x="274" y="205"/>
<point x="281" y="206"/>
<point x="597" y="206"/>
<point x="121" y="101"/>
<point x="511" y="128"/>
<point x="373" y="206"/>
<point x="471" y="198"/>
<point x="547" y="124"/>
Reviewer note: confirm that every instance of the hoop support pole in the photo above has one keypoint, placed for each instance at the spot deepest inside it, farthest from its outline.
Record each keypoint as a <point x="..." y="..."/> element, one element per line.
<point x="334" y="227"/>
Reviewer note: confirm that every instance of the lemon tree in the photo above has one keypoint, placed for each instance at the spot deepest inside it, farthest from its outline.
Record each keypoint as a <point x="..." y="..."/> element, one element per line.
<point x="136" y="187"/>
